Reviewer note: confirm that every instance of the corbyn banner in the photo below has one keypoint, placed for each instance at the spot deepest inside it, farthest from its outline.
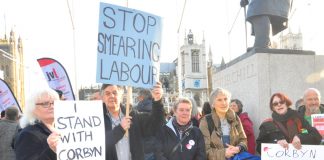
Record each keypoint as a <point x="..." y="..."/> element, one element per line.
<point x="56" y="76"/>
<point x="7" y="99"/>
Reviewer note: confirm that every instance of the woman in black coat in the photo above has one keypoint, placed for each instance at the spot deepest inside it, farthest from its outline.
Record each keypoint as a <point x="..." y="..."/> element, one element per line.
<point x="38" y="125"/>
<point x="179" y="139"/>
<point x="286" y="126"/>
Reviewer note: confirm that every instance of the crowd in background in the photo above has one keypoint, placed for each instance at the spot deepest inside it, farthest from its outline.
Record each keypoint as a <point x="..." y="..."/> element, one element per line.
<point x="220" y="130"/>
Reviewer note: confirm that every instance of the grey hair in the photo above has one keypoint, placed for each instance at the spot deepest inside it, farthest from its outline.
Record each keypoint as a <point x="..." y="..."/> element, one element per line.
<point x="146" y="93"/>
<point x="181" y="100"/>
<point x="29" y="117"/>
<point x="218" y="91"/>
<point x="104" y="86"/>
<point x="312" y="89"/>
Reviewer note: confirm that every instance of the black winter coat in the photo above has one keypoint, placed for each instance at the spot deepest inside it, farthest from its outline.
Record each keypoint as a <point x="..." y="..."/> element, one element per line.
<point x="143" y="124"/>
<point x="31" y="143"/>
<point x="191" y="148"/>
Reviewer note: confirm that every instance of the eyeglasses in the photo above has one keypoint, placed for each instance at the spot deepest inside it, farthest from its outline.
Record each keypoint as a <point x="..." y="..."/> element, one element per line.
<point x="277" y="103"/>
<point x="45" y="104"/>
<point x="115" y="93"/>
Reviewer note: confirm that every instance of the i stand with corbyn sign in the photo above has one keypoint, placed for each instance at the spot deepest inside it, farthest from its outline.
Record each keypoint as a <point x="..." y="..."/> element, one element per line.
<point x="128" y="54"/>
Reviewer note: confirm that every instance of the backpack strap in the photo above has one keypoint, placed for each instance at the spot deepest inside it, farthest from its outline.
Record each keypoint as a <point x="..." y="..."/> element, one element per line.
<point x="211" y="127"/>
<point x="186" y="134"/>
<point x="210" y="123"/>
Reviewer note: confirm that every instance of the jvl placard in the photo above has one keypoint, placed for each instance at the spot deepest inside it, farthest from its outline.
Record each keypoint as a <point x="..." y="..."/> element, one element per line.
<point x="81" y="126"/>
<point x="276" y="152"/>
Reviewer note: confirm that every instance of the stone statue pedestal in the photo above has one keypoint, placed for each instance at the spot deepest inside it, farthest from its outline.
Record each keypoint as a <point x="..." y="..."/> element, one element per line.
<point x="256" y="75"/>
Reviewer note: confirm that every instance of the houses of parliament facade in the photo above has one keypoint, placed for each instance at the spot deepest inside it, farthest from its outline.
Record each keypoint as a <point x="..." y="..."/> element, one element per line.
<point x="12" y="65"/>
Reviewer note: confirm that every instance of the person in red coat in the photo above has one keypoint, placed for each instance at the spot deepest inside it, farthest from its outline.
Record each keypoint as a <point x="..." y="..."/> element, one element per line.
<point x="237" y="107"/>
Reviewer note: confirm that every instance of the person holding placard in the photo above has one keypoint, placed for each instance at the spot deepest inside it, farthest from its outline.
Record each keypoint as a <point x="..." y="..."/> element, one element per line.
<point x="38" y="124"/>
<point x="286" y="126"/>
<point x="222" y="129"/>
<point x="179" y="138"/>
<point x="312" y="104"/>
<point x="119" y="146"/>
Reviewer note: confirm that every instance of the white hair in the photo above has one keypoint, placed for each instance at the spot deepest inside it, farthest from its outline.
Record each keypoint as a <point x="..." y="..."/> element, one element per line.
<point x="29" y="117"/>
<point x="314" y="90"/>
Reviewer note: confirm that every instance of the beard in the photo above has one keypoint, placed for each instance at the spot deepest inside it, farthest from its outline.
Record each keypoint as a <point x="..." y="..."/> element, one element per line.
<point x="313" y="109"/>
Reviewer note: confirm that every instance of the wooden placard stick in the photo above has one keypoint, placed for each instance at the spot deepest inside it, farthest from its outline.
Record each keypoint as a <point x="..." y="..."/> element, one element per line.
<point x="128" y="102"/>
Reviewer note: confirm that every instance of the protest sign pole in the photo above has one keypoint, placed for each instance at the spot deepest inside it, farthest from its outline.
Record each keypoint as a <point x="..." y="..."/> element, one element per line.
<point x="129" y="95"/>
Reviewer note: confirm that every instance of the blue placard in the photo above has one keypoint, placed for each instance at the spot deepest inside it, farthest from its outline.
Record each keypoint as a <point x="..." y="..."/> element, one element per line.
<point x="128" y="51"/>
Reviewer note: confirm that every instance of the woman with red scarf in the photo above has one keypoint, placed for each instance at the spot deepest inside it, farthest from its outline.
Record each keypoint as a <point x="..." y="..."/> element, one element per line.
<point x="286" y="126"/>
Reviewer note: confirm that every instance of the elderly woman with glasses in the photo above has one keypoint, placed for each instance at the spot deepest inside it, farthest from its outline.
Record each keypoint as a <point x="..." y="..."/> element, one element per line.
<point x="38" y="124"/>
<point x="286" y="126"/>
<point x="222" y="129"/>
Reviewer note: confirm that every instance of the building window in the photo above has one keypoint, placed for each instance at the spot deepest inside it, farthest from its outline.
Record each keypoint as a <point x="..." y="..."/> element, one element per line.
<point x="195" y="60"/>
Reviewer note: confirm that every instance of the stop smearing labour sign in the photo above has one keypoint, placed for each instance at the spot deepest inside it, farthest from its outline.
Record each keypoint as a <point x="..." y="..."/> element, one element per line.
<point x="128" y="50"/>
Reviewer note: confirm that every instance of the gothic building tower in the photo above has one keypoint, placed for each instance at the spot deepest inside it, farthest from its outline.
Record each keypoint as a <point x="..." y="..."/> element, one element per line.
<point x="12" y="66"/>
<point x="193" y="74"/>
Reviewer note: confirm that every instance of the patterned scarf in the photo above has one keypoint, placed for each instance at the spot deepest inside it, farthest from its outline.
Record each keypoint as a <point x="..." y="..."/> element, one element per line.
<point x="289" y="123"/>
<point x="181" y="128"/>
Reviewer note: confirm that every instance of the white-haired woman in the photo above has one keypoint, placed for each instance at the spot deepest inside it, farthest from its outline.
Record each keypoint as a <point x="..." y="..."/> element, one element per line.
<point x="37" y="124"/>
<point x="224" y="135"/>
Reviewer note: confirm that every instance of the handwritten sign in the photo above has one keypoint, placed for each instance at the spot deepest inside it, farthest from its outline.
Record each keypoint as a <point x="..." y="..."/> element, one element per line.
<point x="81" y="126"/>
<point x="128" y="51"/>
<point x="318" y="123"/>
<point x="276" y="152"/>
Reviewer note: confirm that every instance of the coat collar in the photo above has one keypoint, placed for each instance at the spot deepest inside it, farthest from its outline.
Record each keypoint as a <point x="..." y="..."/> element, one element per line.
<point x="230" y="116"/>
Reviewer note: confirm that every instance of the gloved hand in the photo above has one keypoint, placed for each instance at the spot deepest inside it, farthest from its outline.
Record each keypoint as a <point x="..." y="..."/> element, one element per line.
<point x="243" y="3"/>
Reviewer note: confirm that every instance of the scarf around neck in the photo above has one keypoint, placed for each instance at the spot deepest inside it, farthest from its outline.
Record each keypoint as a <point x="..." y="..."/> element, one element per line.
<point x="181" y="128"/>
<point x="289" y="123"/>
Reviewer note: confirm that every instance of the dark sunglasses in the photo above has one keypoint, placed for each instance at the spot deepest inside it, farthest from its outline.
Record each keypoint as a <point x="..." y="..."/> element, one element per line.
<point x="277" y="103"/>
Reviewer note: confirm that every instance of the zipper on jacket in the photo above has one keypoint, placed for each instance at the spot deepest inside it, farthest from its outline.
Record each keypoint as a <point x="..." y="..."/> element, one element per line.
<point x="180" y="140"/>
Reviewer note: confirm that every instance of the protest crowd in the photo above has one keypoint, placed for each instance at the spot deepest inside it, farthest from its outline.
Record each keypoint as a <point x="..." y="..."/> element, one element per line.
<point x="218" y="129"/>
<point x="223" y="131"/>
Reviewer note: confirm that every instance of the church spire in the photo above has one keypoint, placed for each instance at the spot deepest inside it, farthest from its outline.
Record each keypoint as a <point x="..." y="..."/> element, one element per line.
<point x="210" y="57"/>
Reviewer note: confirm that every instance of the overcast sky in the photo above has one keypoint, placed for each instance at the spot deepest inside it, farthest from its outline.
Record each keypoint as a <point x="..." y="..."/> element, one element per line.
<point x="48" y="30"/>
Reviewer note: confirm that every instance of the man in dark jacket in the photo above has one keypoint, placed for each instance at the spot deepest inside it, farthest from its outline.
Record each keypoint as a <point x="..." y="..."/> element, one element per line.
<point x="144" y="97"/>
<point x="312" y="104"/>
<point x="266" y="15"/>
<point x="120" y="146"/>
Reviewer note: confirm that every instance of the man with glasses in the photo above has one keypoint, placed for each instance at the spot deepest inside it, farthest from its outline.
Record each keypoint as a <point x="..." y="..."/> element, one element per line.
<point x="119" y="145"/>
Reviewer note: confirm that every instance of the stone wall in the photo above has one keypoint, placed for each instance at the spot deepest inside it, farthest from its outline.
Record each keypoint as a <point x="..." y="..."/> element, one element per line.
<point x="256" y="75"/>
